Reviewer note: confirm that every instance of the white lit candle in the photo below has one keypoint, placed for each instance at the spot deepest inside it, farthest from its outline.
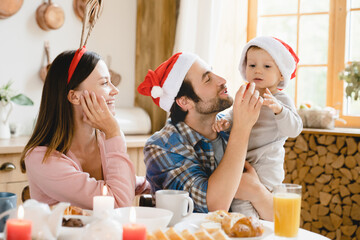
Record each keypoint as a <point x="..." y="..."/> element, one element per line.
<point x="103" y="203"/>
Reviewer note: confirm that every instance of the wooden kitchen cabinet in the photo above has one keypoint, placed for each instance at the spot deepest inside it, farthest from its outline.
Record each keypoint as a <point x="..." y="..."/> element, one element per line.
<point x="13" y="180"/>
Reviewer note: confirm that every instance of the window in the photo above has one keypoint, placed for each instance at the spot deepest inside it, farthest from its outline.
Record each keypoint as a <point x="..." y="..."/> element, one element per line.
<point x="326" y="35"/>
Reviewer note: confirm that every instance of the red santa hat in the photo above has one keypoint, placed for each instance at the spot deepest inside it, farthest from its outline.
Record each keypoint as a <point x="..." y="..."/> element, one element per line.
<point x="164" y="83"/>
<point x="283" y="55"/>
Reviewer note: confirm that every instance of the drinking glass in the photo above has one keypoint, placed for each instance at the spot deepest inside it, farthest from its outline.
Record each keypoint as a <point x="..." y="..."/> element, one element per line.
<point x="287" y="206"/>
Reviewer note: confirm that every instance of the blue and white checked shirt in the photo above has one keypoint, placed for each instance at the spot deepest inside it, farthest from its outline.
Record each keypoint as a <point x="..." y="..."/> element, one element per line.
<point x="177" y="157"/>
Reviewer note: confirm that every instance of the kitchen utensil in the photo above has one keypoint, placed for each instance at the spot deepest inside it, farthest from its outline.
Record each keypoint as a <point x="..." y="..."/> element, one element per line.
<point x="43" y="70"/>
<point x="9" y="7"/>
<point x="115" y="77"/>
<point x="49" y="16"/>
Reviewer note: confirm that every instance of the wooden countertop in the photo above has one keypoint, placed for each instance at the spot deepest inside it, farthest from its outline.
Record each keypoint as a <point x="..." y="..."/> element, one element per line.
<point x="17" y="144"/>
<point x="336" y="131"/>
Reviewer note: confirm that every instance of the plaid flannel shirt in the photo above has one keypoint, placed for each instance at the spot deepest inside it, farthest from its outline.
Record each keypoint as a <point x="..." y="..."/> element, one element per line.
<point x="178" y="157"/>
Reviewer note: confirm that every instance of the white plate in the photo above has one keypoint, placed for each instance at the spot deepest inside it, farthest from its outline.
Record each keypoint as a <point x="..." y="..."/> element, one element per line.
<point x="193" y="223"/>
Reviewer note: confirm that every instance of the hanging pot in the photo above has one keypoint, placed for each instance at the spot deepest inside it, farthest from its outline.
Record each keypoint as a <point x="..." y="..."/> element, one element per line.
<point x="9" y="7"/>
<point x="79" y="6"/>
<point x="49" y="16"/>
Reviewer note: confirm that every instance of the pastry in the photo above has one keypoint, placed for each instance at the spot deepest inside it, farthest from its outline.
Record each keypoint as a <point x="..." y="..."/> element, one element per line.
<point x="247" y="227"/>
<point x="203" y="235"/>
<point x="72" y="222"/>
<point x="73" y="210"/>
<point x="160" y="235"/>
<point x="186" y="234"/>
<point x="219" y="235"/>
<point x="173" y="235"/>
<point x="211" y="227"/>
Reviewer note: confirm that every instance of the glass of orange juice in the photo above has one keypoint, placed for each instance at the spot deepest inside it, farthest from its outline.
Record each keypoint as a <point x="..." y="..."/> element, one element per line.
<point x="287" y="206"/>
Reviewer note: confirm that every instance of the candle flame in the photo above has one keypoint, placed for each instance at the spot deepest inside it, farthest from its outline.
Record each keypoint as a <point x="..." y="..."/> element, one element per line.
<point x="21" y="212"/>
<point x="105" y="190"/>
<point x="132" y="215"/>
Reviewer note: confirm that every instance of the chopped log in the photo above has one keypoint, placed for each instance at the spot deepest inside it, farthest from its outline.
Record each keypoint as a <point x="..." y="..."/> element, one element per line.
<point x="354" y="173"/>
<point x="307" y="226"/>
<point x="297" y="150"/>
<point x="289" y="143"/>
<point x="358" y="230"/>
<point x="347" y="201"/>
<point x="338" y="234"/>
<point x="303" y="171"/>
<point x="332" y="148"/>
<point x="356" y="198"/>
<point x="335" y="191"/>
<point x="348" y="230"/>
<point x="340" y="142"/>
<point x="290" y="165"/>
<point x="299" y="163"/>
<point x="312" y="143"/>
<point x="311" y="153"/>
<point x="322" y="160"/>
<point x="354" y="188"/>
<point x="344" y="181"/>
<point x="335" y="183"/>
<point x="355" y="212"/>
<point x="331" y="235"/>
<point x="344" y="191"/>
<point x="330" y="157"/>
<point x="305" y="205"/>
<point x="312" y="200"/>
<point x="330" y="139"/>
<point x="357" y="158"/>
<point x="303" y="156"/>
<point x="317" y="224"/>
<point x="321" y="139"/>
<point x="294" y="175"/>
<point x="309" y="162"/>
<point x="315" y="160"/>
<point x="338" y="209"/>
<point x="336" y="220"/>
<point x="351" y="146"/>
<point x="327" y="188"/>
<point x="343" y="150"/>
<point x="347" y="221"/>
<point x="321" y="150"/>
<point x="325" y="198"/>
<point x="287" y="178"/>
<point x="336" y="199"/>
<point x="328" y="169"/>
<point x="301" y="143"/>
<point x="305" y="195"/>
<point x="324" y="178"/>
<point x="312" y="191"/>
<point x="350" y="162"/>
<point x="323" y="211"/>
<point x="339" y="162"/>
<point x="346" y="210"/>
<point x="326" y="222"/>
<point x="309" y="179"/>
<point x="337" y="174"/>
<point x="291" y="155"/>
<point x="316" y="171"/>
<point x="346" y="172"/>
<point x="314" y="209"/>
<point x="287" y="150"/>
<point x="306" y="215"/>
<point x="315" y="230"/>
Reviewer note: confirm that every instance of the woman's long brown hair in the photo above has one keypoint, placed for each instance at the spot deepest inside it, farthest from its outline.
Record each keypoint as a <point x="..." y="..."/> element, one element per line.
<point x="54" y="127"/>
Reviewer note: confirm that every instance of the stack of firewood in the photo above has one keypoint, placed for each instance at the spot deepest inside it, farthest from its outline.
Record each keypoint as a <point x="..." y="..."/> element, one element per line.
<point x="328" y="168"/>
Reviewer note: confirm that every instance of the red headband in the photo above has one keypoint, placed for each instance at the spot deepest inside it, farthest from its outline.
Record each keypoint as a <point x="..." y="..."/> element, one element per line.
<point x="75" y="61"/>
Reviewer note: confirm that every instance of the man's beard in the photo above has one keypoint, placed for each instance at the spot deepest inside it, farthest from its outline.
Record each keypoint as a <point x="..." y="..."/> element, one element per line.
<point x="215" y="105"/>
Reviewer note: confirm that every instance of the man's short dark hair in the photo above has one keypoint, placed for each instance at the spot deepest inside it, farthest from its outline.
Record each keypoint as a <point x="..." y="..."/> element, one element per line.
<point x="186" y="90"/>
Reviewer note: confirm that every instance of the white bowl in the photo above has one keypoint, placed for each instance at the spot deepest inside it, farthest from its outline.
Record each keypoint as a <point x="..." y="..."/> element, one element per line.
<point x="152" y="218"/>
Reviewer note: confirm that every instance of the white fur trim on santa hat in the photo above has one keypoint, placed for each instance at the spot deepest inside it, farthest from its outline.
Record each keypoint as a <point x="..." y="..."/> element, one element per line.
<point x="156" y="91"/>
<point x="175" y="78"/>
<point x="277" y="51"/>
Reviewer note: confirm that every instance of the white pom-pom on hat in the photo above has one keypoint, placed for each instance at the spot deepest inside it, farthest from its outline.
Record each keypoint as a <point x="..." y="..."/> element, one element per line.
<point x="157" y="91"/>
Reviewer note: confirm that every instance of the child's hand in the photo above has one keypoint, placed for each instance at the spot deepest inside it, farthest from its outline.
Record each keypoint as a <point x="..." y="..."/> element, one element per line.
<point x="272" y="102"/>
<point x="221" y="125"/>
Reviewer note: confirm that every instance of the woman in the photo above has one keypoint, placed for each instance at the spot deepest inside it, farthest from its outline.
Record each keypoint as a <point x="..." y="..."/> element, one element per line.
<point x="77" y="146"/>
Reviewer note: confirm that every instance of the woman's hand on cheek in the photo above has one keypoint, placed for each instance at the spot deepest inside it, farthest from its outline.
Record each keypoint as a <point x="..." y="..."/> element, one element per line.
<point x="98" y="115"/>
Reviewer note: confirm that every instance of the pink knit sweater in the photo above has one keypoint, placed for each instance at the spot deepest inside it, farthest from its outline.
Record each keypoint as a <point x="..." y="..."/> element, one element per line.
<point x="61" y="178"/>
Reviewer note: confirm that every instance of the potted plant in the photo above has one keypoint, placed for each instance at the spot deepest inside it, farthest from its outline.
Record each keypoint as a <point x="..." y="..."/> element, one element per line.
<point x="7" y="97"/>
<point x="351" y="75"/>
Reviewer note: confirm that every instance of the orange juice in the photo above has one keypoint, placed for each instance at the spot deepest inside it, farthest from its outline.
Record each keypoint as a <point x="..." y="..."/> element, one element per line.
<point x="287" y="208"/>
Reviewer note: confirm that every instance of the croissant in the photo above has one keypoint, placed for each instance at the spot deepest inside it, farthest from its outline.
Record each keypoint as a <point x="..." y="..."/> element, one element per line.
<point x="246" y="227"/>
<point x="73" y="210"/>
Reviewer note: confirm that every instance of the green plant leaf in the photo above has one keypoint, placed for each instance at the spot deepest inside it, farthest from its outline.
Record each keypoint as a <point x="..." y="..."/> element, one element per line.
<point x="21" y="99"/>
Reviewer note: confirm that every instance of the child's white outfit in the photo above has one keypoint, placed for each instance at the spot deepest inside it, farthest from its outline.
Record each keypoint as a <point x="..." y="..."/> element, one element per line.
<point x="265" y="150"/>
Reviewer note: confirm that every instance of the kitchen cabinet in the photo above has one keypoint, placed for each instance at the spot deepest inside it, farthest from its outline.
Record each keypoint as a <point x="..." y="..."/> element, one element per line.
<point x="13" y="180"/>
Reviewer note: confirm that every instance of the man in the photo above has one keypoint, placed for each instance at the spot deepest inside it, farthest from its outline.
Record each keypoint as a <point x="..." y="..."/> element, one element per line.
<point x="187" y="154"/>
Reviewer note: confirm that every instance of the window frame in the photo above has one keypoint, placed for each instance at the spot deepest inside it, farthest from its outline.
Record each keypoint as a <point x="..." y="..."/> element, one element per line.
<point x="336" y="55"/>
